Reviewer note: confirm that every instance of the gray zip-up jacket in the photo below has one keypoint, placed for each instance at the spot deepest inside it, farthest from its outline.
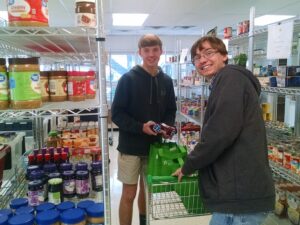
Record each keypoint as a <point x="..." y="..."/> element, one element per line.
<point x="232" y="160"/>
<point x="140" y="98"/>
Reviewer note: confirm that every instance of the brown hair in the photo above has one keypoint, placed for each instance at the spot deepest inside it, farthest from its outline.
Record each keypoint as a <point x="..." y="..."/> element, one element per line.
<point x="148" y="40"/>
<point x="216" y="43"/>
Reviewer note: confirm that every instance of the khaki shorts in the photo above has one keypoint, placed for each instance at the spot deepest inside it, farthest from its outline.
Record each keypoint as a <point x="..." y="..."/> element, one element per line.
<point x="130" y="167"/>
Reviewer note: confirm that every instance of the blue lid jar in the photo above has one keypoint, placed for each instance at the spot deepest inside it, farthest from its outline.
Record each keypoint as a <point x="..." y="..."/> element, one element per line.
<point x="95" y="210"/>
<point x="85" y="204"/>
<point x="36" y="175"/>
<point x="65" y="206"/>
<point x="48" y="217"/>
<point x="30" y="169"/>
<point x="6" y="212"/>
<point x="81" y="166"/>
<point x="45" y="206"/>
<point x="72" y="216"/>
<point x="3" y="219"/>
<point x="18" y="202"/>
<point x="25" y="210"/>
<point x="54" y="175"/>
<point x="65" y="167"/>
<point x="49" y="168"/>
<point x="23" y="219"/>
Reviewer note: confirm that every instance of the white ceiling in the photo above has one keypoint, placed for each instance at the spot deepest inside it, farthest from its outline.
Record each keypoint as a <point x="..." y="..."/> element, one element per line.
<point x="173" y="17"/>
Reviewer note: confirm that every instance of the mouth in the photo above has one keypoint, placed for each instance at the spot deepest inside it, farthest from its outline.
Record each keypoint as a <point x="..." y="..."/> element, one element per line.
<point x="204" y="67"/>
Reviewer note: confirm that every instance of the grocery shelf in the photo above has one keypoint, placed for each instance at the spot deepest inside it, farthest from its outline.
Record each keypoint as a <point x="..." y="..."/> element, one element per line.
<point x="285" y="173"/>
<point x="279" y="90"/>
<point x="193" y="119"/>
<point x="52" y="43"/>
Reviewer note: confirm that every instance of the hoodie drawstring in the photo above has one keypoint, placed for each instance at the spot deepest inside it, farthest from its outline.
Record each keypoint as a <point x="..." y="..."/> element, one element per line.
<point x="151" y="86"/>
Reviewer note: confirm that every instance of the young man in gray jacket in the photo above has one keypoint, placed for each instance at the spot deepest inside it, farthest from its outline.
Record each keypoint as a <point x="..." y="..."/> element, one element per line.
<point x="235" y="179"/>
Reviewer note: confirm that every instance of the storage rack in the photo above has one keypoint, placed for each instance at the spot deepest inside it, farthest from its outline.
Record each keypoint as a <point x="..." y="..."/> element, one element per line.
<point x="67" y="45"/>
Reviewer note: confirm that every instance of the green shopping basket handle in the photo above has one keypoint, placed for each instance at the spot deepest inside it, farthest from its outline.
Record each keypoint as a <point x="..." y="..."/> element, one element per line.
<point x="167" y="179"/>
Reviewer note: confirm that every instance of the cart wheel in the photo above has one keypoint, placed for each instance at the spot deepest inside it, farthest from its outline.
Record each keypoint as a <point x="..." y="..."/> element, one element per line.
<point x="110" y="141"/>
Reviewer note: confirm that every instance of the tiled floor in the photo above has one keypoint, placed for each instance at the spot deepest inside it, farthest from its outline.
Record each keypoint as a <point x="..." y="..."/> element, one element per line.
<point x="116" y="188"/>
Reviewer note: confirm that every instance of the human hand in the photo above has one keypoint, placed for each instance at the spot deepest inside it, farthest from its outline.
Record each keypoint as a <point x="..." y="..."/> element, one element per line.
<point x="147" y="128"/>
<point x="178" y="173"/>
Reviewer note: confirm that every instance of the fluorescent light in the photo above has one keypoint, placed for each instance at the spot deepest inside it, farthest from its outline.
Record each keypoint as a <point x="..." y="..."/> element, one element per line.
<point x="3" y="15"/>
<point x="129" y="19"/>
<point x="268" y="19"/>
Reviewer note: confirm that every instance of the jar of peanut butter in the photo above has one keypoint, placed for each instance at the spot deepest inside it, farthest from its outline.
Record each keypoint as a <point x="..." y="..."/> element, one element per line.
<point x="44" y="85"/>
<point x="76" y="86"/>
<point x="58" y="86"/>
<point x="90" y="85"/>
<point x="85" y="13"/>
<point x="95" y="214"/>
<point x="3" y="86"/>
<point x="28" y="13"/>
<point x="24" y="83"/>
<point x="73" y="217"/>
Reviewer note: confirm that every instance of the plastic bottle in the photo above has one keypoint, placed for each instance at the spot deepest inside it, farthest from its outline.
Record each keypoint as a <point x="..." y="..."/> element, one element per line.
<point x="69" y="183"/>
<point x="52" y="139"/>
<point x="82" y="184"/>
<point x="96" y="180"/>
<point x="35" y="192"/>
<point x="65" y="166"/>
<point x="81" y="166"/>
<point x="49" y="217"/>
<point x="72" y="217"/>
<point x="55" y="191"/>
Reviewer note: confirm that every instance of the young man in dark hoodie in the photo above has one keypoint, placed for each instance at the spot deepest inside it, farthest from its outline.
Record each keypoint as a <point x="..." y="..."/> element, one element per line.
<point x="144" y="96"/>
<point x="235" y="179"/>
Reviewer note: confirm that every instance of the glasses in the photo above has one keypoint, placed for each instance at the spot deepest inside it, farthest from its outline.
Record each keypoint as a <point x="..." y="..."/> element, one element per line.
<point x="207" y="55"/>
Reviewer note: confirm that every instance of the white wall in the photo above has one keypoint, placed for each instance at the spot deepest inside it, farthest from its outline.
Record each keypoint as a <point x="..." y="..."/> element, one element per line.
<point x="122" y="44"/>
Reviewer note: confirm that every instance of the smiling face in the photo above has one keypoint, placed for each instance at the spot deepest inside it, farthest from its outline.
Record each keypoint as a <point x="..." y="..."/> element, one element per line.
<point x="150" y="56"/>
<point x="208" y="61"/>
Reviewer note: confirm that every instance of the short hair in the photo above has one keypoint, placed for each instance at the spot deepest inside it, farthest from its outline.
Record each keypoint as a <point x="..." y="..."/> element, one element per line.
<point x="148" y="40"/>
<point x="216" y="43"/>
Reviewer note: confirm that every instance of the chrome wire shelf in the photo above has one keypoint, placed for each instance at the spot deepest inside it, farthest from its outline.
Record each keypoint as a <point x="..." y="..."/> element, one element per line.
<point x="193" y="119"/>
<point x="278" y="90"/>
<point x="285" y="173"/>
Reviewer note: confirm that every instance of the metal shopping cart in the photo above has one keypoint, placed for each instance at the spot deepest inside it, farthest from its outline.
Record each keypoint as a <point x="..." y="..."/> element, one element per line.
<point x="167" y="198"/>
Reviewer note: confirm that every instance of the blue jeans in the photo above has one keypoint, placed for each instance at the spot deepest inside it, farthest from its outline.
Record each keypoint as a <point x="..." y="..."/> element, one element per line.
<point x="238" y="219"/>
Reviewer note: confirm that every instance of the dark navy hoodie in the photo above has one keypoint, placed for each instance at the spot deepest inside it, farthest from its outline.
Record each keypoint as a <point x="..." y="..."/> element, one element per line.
<point x="140" y="98"/>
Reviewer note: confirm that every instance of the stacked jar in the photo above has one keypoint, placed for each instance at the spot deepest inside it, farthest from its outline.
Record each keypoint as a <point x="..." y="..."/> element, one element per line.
<point x="3" y="86"/>
<point x="45" y="85"/>
<point x="24" y="83"/>
<point x="58" y="86"/>
<point x="76" y="86"/>
<point x="28" y="13"/>
<point x="85" y="13"/>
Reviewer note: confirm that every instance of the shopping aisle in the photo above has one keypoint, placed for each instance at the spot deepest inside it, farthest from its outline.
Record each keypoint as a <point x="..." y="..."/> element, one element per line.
<point x="116" y="188"/>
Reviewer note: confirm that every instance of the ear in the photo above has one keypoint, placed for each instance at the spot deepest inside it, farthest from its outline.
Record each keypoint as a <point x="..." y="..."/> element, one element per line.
<point x="139" y="52"/>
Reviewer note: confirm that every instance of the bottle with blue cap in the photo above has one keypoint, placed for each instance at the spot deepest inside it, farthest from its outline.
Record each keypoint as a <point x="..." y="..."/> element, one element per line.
<point x="73" y="217"/>
<point x="49" y="217"/>
<point x="23" y="219"/>
<point x="95" y="214"/>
